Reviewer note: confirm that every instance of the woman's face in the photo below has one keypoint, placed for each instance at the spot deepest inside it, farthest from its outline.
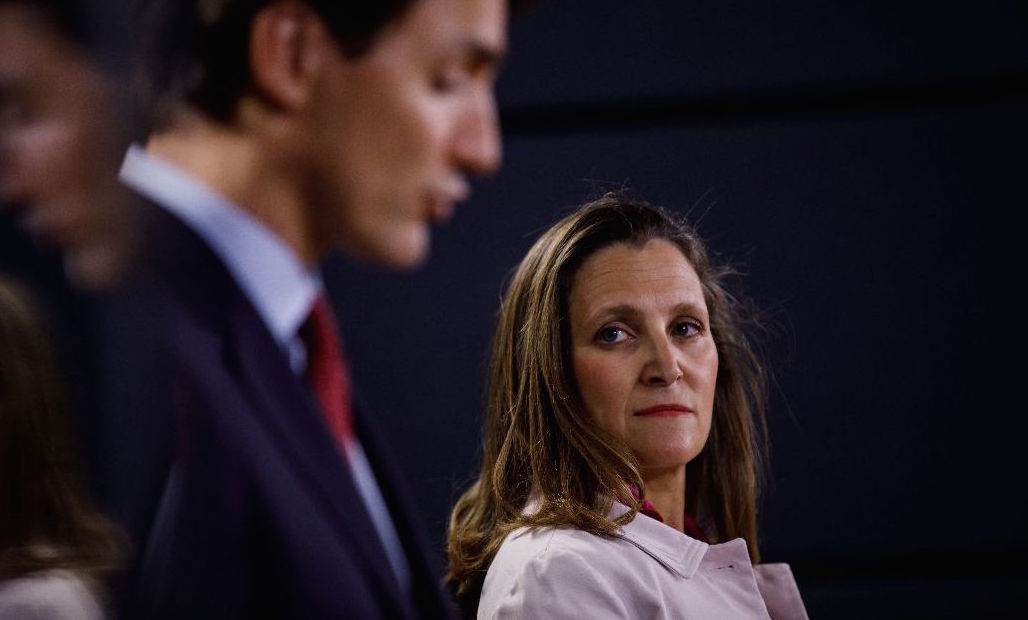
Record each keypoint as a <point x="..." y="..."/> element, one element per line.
<point x="642" y="351"/>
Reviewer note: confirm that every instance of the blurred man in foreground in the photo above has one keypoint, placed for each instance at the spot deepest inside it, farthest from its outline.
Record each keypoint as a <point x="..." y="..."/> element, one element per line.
<point x="288" y="130"/>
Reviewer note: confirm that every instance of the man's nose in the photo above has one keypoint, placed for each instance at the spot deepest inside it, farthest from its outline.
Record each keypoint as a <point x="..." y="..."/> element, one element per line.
<point x="478" y="143"/>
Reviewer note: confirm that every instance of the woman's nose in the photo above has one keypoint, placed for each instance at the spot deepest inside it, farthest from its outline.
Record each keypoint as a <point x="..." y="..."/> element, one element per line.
<point x="662" y="368"/>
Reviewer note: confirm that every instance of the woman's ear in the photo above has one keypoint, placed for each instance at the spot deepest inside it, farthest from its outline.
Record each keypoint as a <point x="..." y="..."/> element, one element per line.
<point x="287" y="42"/>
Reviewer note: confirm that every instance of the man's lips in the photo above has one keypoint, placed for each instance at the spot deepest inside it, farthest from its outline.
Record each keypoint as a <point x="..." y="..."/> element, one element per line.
<point x="443" y="200"/>
<point x="441" y="208"/>
<point x="664" y="411"/>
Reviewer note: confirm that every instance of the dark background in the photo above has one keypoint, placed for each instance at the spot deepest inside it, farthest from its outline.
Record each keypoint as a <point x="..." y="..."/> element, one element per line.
<point x="864" y="164"/>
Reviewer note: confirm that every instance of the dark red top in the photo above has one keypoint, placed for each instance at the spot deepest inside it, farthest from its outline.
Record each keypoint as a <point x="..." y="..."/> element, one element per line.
<point x="689" y="524"/>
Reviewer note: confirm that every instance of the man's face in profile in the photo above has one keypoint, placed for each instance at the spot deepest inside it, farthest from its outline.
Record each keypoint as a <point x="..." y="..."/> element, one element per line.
<point x="61" y="141"/>
<point x="400" y="129"/>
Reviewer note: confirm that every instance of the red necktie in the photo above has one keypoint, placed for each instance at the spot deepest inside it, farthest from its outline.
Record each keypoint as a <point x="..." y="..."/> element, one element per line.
<point x="327" y="372"/>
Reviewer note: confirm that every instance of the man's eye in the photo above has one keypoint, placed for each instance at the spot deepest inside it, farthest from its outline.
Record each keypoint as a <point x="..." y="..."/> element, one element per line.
<point x="446" y="81"/>
<point x="611" y="335"/>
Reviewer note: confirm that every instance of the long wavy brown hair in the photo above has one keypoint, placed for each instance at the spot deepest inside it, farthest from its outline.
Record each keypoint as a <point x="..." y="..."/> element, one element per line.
<point x="47" y="521"/>
<point x="540" y="441"/>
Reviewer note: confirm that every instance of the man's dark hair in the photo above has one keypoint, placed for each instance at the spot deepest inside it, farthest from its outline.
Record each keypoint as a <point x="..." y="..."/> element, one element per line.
<point x="198" y="50"/>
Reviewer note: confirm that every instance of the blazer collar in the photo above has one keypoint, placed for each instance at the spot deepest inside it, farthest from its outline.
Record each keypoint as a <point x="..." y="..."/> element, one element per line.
<point x="677" y="552"/>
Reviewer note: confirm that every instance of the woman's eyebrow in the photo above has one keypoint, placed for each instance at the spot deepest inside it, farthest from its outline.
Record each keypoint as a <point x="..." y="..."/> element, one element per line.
<point x="618" y="310"/>
<point x="691" y="307"/>
<point x="630" y="311"/>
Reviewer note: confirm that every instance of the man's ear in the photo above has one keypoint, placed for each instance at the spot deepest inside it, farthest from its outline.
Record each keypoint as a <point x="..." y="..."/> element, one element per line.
<point x="287" y="42"/>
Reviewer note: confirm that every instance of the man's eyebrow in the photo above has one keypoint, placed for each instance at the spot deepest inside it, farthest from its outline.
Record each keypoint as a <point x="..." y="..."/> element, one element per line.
<point x="480" y="54"/>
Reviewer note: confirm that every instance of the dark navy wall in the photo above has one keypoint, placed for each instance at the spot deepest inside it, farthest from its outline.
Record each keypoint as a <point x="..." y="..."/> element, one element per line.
<point x="864" y="164"/>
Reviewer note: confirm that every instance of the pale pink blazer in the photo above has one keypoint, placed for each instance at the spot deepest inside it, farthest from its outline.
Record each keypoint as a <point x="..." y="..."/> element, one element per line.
<point x="648" y="571"/>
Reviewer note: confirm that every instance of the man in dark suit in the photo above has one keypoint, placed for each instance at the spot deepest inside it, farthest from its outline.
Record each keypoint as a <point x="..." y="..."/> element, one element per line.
<point x="290" y="129"/>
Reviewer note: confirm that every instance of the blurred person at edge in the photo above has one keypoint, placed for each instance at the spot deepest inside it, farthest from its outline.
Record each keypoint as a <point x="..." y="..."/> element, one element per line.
<point x="65" y="121"/>
<point x="55" y="549"/>
<point x="286" y="130"/>
<point x="66" y="228"/>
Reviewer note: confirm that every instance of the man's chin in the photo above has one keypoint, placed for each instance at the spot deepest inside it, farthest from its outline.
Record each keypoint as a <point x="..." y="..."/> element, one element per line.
<point x="412" y="254"/>
<point x="401" y="252"/>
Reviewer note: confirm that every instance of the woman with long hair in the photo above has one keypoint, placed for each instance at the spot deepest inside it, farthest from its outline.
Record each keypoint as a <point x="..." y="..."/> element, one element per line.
<point x="623" y="435"/>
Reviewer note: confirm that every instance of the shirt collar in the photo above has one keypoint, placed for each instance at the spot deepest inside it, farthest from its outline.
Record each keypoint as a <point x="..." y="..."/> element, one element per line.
<point x="679" y="553"/>
<point x="274" y="280"/>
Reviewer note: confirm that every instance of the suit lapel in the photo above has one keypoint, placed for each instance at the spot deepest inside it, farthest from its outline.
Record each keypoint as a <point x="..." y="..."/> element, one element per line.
<point x="289" y="414"/>
<point x="430" y="598"/>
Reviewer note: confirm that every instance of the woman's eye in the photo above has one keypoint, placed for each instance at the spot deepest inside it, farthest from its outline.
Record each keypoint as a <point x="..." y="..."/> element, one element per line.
<point x="685" y="329"/>
<point x="611" y="335"/>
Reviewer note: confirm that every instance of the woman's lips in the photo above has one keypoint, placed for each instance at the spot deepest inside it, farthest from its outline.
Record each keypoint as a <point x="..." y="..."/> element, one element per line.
<point x="664" y="411"/>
